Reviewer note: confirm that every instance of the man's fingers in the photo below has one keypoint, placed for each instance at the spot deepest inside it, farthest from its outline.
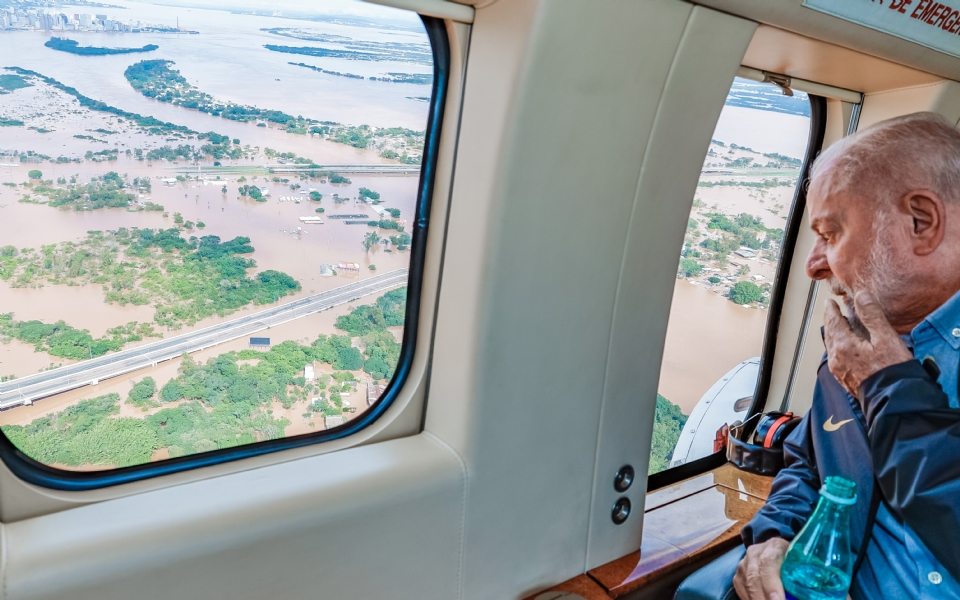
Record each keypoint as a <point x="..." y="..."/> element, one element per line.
<point x="835" y="324"/>
<point x="740" y="580"/>
<point x="753" y="584"/>
<point x="872" y="317"/>
<point x="770" y="563"/>
<point x="833" y="318"/>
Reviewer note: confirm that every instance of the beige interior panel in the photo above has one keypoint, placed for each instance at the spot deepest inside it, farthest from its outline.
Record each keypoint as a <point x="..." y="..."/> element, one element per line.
<point x="704" y="67"/>
<point x="792" y="319"/>
<point x="800" y="397"/>
<point x="790" y="15"/>
<point x="536" y="241"/>
<point x="942" y="97"/>
<point x="780" y="51"/>
<point x="838" y="120"/>
<point x="334" y="526"/>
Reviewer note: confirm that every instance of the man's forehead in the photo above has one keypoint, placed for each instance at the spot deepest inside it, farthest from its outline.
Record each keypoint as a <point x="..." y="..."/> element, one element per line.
<point x="827" y="200"/>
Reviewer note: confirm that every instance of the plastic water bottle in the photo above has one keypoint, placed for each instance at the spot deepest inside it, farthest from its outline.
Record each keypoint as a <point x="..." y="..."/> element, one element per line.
<point x="819" y="561"/>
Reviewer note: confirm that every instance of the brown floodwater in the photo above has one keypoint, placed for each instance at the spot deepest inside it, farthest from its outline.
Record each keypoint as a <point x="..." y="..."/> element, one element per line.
<point x="271" y="226"/>
<point x="707" y="336"/>
<point x="228" y="60"/>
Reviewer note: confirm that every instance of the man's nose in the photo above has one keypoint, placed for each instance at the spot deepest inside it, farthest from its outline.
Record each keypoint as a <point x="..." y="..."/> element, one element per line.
<point x="817" y="265"/>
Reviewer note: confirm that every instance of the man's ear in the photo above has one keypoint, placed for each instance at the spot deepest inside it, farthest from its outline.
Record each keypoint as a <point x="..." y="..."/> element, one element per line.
<point x="929" y="220"/>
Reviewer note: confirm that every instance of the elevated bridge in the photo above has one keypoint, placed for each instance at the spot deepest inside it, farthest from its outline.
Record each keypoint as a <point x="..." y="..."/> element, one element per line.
<point x="90" y="372"/>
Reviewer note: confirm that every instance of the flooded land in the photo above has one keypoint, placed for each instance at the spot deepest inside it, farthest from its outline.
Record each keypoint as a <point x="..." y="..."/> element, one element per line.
<point x="206" y="176"/>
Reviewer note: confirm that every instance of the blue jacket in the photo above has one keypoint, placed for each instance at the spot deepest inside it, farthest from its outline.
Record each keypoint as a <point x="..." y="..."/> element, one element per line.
<point x="906" y="448"/>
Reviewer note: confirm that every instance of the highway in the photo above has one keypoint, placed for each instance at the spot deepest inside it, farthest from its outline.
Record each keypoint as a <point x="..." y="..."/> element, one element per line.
<point x="90" y="372"/>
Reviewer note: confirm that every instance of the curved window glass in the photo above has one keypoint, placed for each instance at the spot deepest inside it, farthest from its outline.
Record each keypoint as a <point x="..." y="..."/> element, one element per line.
<point x="212" y="229"/>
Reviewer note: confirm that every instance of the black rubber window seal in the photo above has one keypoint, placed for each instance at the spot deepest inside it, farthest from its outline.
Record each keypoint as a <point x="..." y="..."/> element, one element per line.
<point x="37" y="473"/>
<point x="818" y="127"/>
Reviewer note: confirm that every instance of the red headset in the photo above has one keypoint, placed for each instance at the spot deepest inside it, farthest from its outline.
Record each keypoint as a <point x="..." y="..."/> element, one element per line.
<point x="765" y="455"/>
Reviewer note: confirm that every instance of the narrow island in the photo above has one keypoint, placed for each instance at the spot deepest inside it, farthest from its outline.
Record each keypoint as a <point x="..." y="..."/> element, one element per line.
<point x="414" y="78"/>
<point x="352" y="48"/>
<point x="325" y="52"/>
<point x="74" y="47"/>
<point x="157" y="80"/>
<point x="150" y="125"/>
<point x="319" y="70"/>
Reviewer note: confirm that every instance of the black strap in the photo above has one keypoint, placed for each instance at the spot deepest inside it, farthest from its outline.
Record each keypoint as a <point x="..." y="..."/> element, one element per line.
<point x="875" y="498"/>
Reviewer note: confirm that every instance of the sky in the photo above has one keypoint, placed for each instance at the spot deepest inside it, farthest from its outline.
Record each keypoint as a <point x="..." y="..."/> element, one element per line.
<point x="304" y="8"/>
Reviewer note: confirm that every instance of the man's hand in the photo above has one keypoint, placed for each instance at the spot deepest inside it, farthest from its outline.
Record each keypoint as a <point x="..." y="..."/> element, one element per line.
<point x="758" y="575"/>
<point x="852" y="358"/>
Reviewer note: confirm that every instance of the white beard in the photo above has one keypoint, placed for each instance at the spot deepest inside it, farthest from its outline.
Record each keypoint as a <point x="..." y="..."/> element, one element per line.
<point x="880" y="276"/>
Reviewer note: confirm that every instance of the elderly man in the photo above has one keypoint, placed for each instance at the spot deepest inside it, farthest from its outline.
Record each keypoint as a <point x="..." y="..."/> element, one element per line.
<point x="885" y="206"/>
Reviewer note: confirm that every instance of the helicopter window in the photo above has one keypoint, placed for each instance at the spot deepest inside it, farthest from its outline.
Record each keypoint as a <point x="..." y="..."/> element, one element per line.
<point x="727" y="268"/>
<point x="201" y="263"/>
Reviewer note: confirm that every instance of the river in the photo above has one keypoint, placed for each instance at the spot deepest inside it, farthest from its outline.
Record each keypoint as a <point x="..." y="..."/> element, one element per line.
<point x="707" y="336"/>
<point x="227" y="59"/>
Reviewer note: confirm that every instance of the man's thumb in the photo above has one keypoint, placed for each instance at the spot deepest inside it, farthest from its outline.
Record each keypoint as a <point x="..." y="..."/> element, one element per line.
<point x="870" y="313"/>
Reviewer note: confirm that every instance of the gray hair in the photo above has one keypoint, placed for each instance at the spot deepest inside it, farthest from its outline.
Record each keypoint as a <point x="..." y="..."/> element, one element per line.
<point x="920" y="151"/>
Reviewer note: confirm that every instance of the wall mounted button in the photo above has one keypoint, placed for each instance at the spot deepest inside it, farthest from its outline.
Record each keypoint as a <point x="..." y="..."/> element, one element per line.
<point x="623" y="479"/>
<point x="621" y="510"/>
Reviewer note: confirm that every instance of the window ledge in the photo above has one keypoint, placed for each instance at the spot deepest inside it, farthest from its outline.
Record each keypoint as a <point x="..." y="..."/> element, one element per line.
<point x="684" y="525"/>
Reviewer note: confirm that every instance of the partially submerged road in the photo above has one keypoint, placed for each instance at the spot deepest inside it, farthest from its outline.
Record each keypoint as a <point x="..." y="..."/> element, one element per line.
<point x="90" y="372"/>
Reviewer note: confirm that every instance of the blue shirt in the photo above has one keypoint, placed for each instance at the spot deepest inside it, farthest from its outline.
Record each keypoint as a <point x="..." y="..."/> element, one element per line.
<point x="897" y="564"/>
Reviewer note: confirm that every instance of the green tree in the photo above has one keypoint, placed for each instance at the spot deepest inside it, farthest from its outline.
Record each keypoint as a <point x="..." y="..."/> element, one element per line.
<point x="749" y="239"/>
<point x="316" y="196"/>
<point x="370" y="240"/>
<point x="667" y="425"/>
<point x="745" y="292"/>
<point x="35" y="174"/>
<point x="690" y="267"/>
<point x="142" y="393"/>
<point x="368" y="193"/>
<point x="743" y="270"/>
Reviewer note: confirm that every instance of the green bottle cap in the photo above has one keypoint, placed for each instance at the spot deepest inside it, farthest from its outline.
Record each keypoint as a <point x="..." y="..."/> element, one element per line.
<point x="840" y="490"/>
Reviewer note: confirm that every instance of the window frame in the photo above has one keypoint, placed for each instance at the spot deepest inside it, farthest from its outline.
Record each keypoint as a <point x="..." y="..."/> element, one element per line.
<point x="41" y="474"/>
<point x="818" y="125"/>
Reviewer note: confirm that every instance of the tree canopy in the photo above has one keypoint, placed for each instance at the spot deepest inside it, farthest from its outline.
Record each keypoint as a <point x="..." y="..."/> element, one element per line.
<point x="745" y="292"/>
<point x="668" y="423"/>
